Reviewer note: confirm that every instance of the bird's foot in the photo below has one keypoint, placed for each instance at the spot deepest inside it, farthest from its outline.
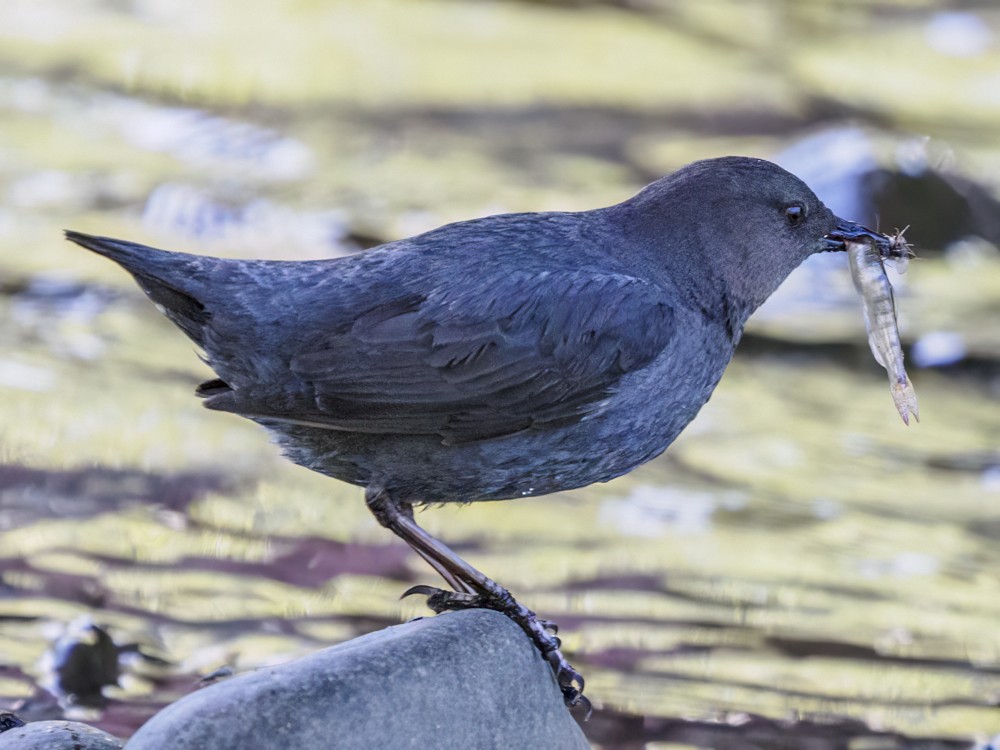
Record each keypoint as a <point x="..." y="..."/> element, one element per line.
<point x="442" y="600"/>
<point x="541" y="632"/>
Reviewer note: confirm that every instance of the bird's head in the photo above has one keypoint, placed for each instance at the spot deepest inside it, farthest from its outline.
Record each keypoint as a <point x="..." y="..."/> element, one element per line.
<point x="742" y="223"/>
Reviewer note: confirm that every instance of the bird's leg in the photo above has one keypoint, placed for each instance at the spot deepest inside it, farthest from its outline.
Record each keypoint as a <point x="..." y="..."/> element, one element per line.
<point x="473" y="589"/>
<point x="457" y="585"/>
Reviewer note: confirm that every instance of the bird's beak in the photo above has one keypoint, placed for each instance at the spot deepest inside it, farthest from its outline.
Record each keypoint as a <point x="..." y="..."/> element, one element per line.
<point x="846" y="231"/>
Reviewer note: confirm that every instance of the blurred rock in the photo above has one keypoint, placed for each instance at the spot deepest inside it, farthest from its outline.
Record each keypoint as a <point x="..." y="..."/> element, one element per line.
<point x="958" y="34"/>
<point x="83" y="661"/>
<point x="257" y="226"/>
<point x="200" y="137"/>
<point x="25" y="377"/>
<point x="937" y="349"/>
<point x="940" y="207"/>
<point x="58" y="735"/>
<point x="466" y="679"/>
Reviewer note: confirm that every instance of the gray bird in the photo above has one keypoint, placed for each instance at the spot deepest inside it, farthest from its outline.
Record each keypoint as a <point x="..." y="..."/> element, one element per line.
<point x="502" y="357"/>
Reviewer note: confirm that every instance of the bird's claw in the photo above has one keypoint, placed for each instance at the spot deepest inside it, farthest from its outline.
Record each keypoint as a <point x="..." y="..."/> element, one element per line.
<point x="441" y="600"/>
<point x="582" y="701"/>
<point x="542" y="632"/>
<point x="552" y="627"/>
<point x="419" y="589"/>
<point x="570" y="682"/>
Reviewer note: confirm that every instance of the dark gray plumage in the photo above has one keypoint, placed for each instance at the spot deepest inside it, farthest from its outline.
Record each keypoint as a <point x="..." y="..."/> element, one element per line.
<point x="501" y="357"/>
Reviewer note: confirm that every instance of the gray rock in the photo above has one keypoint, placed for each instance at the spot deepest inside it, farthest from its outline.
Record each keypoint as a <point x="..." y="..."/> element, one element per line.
<point x="58" y="735"/>
<point x="468" y="680"/>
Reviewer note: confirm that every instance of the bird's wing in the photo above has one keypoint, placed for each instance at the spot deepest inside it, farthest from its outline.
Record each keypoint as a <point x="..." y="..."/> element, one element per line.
<point x="528" y="350"/>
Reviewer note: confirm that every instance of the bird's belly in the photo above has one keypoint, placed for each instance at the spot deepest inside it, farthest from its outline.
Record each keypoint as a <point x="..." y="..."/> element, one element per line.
<point x="421" y="469"/>
<point x="646" y="413"/>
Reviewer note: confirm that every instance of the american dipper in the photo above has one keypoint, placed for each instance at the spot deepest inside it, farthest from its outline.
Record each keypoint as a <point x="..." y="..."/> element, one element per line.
<point x="502" y="357"/>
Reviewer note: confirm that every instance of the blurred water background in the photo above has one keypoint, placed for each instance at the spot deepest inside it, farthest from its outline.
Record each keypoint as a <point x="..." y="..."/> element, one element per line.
<point x="799" y="570"/>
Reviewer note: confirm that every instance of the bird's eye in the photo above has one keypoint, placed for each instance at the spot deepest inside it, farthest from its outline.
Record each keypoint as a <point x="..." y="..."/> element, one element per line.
<point x="795" y="215"/>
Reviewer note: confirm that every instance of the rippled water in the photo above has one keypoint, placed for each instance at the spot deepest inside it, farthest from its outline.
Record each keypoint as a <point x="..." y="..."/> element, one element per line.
<point x="798" y="570"/>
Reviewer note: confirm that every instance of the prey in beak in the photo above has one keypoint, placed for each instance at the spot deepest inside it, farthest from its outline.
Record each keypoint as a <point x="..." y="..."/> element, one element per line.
<point x="847" y="231"/>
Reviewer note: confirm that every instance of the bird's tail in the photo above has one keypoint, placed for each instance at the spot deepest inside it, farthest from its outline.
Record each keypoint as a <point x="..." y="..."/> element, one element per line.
<point x="174" y="281"/>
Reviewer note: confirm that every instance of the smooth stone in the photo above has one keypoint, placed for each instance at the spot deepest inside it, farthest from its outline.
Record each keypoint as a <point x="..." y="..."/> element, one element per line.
<point x="58" y="735"/>
<point x="469" y="679"/>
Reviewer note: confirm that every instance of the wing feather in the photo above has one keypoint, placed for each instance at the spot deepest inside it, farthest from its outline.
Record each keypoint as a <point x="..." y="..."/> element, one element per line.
<point x="526" y="351"/>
